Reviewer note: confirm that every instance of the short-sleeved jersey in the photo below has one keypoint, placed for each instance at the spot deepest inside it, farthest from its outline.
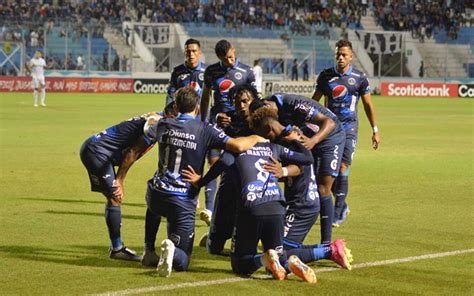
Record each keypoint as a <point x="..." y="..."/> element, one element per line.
<point x="298" y="110"/>
<point x="111" y="144"/>
<point x="37" y="67"/>
<point x="183" y="142"/>
<point x="343" y="92"/>
<point x="258" y="185"/>
<point x="222" y="79"/>
<point x="184" y="76"/>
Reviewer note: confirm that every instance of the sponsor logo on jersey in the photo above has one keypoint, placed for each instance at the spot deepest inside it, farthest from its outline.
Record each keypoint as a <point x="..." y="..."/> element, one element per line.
<point x="225" y="86"/>
<point x="340" y="91"/>
<point x="195" y="85"/>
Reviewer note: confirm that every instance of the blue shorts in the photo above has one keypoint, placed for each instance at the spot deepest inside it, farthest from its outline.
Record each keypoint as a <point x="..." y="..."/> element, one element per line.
<point x="298" y="222"/>
<point x="328" y="155"/>
<point x="101" y="173"/>
<point x="180" y="216"/>
<point x="349" y="149"/>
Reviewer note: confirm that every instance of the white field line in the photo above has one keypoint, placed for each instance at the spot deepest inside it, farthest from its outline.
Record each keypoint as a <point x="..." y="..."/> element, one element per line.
<point x="239" y="279"/>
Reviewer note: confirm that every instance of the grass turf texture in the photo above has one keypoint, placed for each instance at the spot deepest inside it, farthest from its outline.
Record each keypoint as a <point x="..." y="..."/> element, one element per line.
<point x="412" y="197"/>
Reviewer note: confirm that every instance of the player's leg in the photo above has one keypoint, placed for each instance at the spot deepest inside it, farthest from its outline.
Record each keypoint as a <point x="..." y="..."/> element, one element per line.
<point x="35" y="83"/>
<point x="341" y="185"/>
<point x="328" y="157"/>
<point x="210" y="190"/>
<point x="223" y="219"/>
<point x="43" y="91"/>
<point x="102" y="179"/>
<point x="177" y="248"/>
<point x="155" y="208"/>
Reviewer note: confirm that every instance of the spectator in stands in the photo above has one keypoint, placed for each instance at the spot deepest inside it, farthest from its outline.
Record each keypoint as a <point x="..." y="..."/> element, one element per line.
<point x="34" y="39"/>
<point x="258" y="72"/>
<point x="105" y="60"/>
<point x="80" y="63"/>
<point x="294" y="70"/>
<point x="422" y="69"/>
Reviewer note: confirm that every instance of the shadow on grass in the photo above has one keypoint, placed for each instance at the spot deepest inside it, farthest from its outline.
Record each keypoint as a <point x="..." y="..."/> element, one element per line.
<point x="94" y="256"/>
<point x="133" y="217"/>
<point x="143" y="205"/>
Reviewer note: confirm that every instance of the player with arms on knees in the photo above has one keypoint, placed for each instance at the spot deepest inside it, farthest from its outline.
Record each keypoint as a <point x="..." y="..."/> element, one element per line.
<point x="342" y="86"/>
<point x="183" y="141"/>
<point x="326" y="145"/>
<point x="220" y="78"/>
<point x="36" y="67"/>
<point x="261" y="208"/>
<point x="120" y="145"/>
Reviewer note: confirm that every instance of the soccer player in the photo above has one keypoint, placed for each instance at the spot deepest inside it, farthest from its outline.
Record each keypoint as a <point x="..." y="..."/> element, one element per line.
<point x="36" y="67"/>
<point x="191" y="73"/>
<point x="120" y="145"/>
<point x="342" y="86"/>
<point x="183" y="141"/>
<point x="302" y="203"/>
<point x="220" y="78"/>
<point x="327" y="144"/>
<point x="261" y="211"/>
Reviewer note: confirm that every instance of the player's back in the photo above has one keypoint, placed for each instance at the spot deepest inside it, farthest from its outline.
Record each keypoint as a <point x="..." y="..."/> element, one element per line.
<point x="110" y="144"/>
<point x="183" y="141"/>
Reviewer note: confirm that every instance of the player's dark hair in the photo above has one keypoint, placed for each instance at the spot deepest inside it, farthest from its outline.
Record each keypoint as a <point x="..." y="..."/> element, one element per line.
<point x="237" y="91"/>
<point x="186" y="99"/>
<point x="344" y="43"/>
<point x="192" y="41"/>
<point x="262" y="116"/>
<point x="222" y="48"/>
<point x="170" y="110"/>
<point x="255" y="63"/>
<point x="256" y="104"/>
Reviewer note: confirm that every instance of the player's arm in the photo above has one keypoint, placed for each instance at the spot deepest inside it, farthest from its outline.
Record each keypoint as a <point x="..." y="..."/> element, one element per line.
<point x="279" y="171"/>
<point x="189" y="175"/>
<point x="370" y="112"/>
<point x="326" y="126"/>
<point x="29" y="66"/>
<point x="171" y="88"/>
<point x="128" y="160"/>
<point x="240" y="145"/>
<point x="299" y="156"/>
<point x="204" y="108"/>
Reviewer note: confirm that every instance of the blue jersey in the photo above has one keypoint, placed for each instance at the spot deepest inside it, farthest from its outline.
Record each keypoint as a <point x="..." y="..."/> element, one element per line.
<point x="343" y="92"/>
<point x="259" y="186"/>
<point x="111" y="144"/>
<point x="221" y="79"/>
<point x="298" y="110"/>
<point x="184" y="76"/>
<point x="183" y="141"/>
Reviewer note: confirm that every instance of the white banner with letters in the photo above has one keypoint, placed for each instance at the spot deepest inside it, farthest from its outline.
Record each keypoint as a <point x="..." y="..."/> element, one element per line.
<point x="156" y="35"/>
<point x="381" y="42"/>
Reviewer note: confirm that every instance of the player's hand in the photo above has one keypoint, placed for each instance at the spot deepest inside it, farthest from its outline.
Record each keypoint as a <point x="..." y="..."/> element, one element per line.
<point x="117" y="195"/>
<point x="223" y="120"/>
<point x="191" y="176"/>
<point x="308" y="143"/>
<point x="262" y="139"/>
<point x="274" y="167"/>
<point x="292" y="136"/>
<point x="375" y="140"/>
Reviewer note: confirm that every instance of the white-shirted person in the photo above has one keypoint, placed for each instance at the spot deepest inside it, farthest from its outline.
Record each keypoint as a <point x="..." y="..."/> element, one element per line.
<point x="36" y="67"/>
<point x="258" y="73"/>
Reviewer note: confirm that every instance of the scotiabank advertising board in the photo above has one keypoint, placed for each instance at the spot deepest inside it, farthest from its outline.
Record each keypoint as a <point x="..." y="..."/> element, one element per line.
<point x="420" y="89"/>
<point x="63" y="84"/>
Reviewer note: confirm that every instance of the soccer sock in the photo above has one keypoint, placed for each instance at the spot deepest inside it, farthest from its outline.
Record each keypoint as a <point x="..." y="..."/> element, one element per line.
<point x="152" y="223"/>
<point x="327" y="214"/>
<point x="340" y="192"/>
<point x="210" y="193"/>
<point x="35" y="96"/>
<point x="180" y="260"/>
<point x="321" y="252"/>
<point x="43" y="95"/>
<point x="258" y="260"/>
<point x="113" y="218"/>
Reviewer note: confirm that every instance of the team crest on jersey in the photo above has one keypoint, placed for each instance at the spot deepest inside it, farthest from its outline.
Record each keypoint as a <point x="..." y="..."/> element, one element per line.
<point x="351" y="81"/>
<point x="238" y="75"/>
<point x="340" y="91"/>
<point x="201" y="76"/>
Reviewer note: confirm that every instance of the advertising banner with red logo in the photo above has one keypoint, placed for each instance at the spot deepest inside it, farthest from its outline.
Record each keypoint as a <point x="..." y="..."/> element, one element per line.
<point x="61" y="84"/>
<point x="419" y="89"/>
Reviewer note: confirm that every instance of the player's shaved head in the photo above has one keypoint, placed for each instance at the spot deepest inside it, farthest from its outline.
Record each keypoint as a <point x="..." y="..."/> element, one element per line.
<point x="186" y="99"/>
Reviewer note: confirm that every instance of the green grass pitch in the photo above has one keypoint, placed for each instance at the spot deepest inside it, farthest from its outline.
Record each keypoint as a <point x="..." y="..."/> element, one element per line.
<point x="414" y="196"/>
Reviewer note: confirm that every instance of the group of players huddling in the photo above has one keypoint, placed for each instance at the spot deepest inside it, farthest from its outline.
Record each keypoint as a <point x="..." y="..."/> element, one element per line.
<point x="252" y="144"/>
